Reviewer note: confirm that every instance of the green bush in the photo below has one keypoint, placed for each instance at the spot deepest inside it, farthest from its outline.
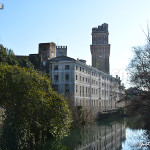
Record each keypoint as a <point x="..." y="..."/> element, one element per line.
<point x="32" y="109"/>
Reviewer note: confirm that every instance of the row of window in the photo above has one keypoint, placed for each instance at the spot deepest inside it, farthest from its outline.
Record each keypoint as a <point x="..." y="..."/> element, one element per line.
<point x="87" y="102"/>
<point x="100" y="42"/>
<point x="85" y="91"/>
<point x="67" y="67"/>
<point x="87" y="80"/>
<point x="67" y="77"/>
<point x="102" y="49"/>
<point x="81" y="102"/>
<point x="101" y="37"/>
<point x="93" y="73"/>
<point x="56" y="77"/>
<point x="55" y="88"/>
<point x="94" y="82"/>
<point x="86" y="71"/>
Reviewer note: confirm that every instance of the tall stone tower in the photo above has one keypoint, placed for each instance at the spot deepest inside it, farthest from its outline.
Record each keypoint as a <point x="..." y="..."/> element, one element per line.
<point x="100" y="48"/>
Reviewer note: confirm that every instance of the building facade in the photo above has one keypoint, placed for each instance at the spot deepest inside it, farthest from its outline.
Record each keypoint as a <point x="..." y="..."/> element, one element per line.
<point x="87" y="85"/>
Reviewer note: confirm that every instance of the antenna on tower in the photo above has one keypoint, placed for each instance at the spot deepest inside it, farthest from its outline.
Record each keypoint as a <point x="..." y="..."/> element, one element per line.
<point x="57" y="41"/>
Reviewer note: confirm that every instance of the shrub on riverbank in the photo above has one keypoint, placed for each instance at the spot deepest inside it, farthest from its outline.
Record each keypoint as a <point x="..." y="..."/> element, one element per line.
<point x="139" y="106"/>
<point x="33" y="111"/>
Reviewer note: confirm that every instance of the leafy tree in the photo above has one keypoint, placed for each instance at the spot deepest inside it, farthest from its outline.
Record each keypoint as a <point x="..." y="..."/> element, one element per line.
<point x="23" y="61"/>
<point x="32" y="108"/>
<point x="7" y="56"/>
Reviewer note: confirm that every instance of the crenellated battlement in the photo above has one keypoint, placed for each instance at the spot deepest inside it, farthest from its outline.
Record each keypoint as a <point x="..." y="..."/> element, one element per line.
<point x="100" y="29"/>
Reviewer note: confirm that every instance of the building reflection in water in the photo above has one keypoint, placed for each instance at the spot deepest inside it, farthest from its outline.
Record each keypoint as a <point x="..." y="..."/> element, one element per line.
<point x="102" y="137"/>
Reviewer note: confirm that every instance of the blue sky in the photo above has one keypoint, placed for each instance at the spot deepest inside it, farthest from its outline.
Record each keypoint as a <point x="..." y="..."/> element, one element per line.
<point x="25" y="24"/>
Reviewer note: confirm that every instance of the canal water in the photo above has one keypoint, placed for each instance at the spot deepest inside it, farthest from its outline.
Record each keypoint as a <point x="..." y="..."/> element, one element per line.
<point x="108" y="134"/>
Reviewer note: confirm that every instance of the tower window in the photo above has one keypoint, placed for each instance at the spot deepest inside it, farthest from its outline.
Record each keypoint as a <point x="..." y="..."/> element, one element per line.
<point x="105" y="42"/>
<point x="94" y="42"/>
<point x="100" y="42"/>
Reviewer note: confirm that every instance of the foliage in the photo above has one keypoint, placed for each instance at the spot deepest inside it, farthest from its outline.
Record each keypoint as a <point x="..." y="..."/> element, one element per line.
<point x="35" y="60"/>
<point x="52" y="144"/>
<point x="32" y="107"/>
<point x="139" y="68"/>
<point x="138" y="97"/>
<point x="80" y="115"/>
<point x="23" y="61"/>
<point x="7" y="56"/>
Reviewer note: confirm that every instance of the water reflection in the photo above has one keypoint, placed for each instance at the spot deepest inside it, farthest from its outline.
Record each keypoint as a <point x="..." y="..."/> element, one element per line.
<point x="110" y="135"/>
<point x="97" y="136"/>
<point x="136" y="139"/>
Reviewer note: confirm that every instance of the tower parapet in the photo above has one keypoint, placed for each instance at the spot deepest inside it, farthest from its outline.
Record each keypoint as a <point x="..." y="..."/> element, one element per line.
<point x="102" y="28"/>
<point x="61" y="51"/>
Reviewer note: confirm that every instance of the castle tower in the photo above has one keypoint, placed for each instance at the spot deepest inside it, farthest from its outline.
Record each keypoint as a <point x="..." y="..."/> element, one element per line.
<point x="61" y="51"/>
<point x="46" y="52"/>
<point x="100" y="48"/>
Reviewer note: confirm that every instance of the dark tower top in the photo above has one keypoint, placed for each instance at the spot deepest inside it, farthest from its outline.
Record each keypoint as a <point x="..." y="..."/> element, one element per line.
<point x="100" y="48"/>
<point x="46" y="52"/>
<point x="100" y="29"/>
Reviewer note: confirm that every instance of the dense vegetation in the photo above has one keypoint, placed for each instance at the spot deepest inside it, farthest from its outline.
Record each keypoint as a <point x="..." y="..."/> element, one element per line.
<point x="7" y="56"/>
<point x="33" y="111"/>
<point x="139" y="96"/>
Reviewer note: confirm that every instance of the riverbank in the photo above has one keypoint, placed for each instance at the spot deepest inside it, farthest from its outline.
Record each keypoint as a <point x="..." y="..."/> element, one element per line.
<point x="111" y="114"/>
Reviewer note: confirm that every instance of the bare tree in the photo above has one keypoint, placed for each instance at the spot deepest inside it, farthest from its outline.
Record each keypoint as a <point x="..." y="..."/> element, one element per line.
<point x="139" y="68"/>
<point x="80" y="114"/>
<point x="139" y="71"/>
<point x="147" y="34"/>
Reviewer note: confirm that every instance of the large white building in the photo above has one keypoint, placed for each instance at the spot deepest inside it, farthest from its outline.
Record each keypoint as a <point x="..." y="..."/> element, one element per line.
<point x="86" y="85"/>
